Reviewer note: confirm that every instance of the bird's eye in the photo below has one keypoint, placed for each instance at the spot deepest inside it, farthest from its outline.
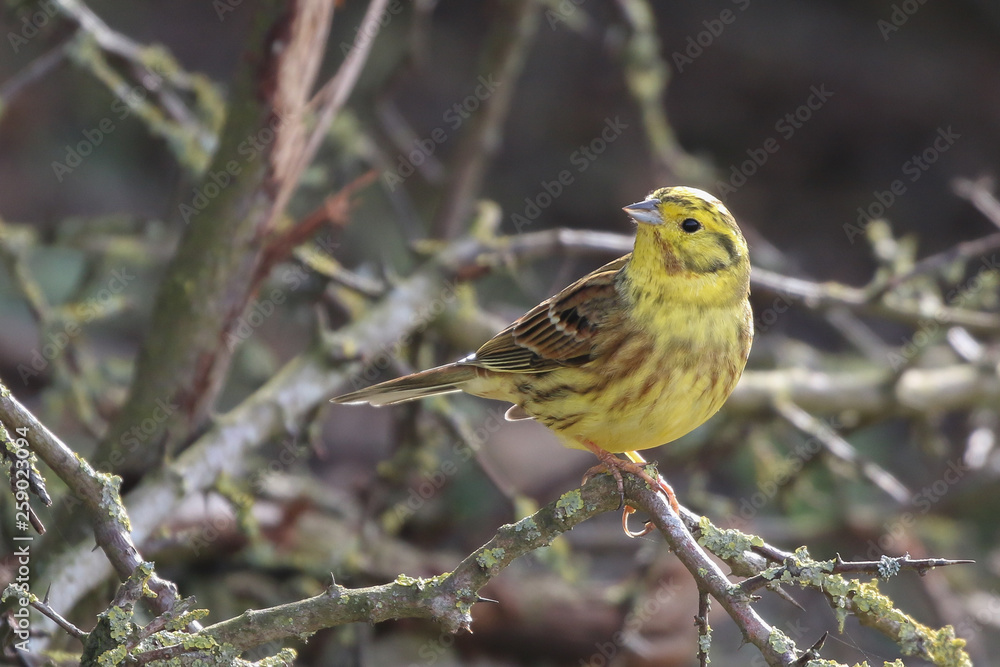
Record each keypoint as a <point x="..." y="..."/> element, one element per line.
<point x="690" y="225"/>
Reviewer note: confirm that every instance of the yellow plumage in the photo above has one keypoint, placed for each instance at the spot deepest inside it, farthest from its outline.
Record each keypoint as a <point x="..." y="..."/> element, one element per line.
<point x="632" y="356"/>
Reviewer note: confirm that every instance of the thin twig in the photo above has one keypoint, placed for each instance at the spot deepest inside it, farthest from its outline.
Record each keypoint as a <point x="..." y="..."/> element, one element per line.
<point x="814" y="295"/>
<point x="647" y="75"/>
<point x="32" y="72"/>
<point x="59" y="620"/>
<point x="506" y="50"/>
<point x="886" y="567"/>
<point x="14" y="255"/>
<point x="327" y="103"/>
<point x="842" y="450"/>
<point x="704" y="629"/>
<point x="97" y="491"/>
<point x="965" y="250"/>
<point x="979" y="194"/>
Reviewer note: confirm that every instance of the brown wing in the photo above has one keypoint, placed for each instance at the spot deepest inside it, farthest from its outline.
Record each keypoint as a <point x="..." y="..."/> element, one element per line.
<point x="559" y="331"/>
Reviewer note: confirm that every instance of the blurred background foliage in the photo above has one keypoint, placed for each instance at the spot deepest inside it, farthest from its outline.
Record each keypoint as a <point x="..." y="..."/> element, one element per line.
<point x="369" y="494"/>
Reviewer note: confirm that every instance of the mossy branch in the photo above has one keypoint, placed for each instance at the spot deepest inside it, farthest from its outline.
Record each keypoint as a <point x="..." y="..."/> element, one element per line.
<point x="449" y="597"/>
<point x="210" y="280"/>
<point x="98" y="492"/>
<point x="279" y="406"/>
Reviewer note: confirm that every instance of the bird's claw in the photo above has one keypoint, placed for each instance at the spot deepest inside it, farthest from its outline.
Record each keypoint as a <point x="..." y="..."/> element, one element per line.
<point x="614" y="472"/>
<point x="646" y="529"/>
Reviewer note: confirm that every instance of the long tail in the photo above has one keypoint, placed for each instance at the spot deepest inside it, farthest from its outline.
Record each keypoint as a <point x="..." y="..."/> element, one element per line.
<point x="440" y="380"/>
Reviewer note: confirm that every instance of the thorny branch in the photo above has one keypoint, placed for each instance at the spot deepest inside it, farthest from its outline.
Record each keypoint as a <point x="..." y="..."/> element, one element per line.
<point x="448" y="598"/>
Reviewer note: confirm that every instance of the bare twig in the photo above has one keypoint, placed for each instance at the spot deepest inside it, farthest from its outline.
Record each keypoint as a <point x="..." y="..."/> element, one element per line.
<point x="14" y="254"/>
<point x="842" y="450"/>
<point x="334" y="211"/>
<point x="447" y="598"/>
<point x="885" y="568"/>
<point x="30" y="73"/>
<point x="710" y="577"/>
<point x="647" y="76"/>
<point x="281" y="404"/>
<point x="43" y="607"/>
<point x="191" y="133"/>
<point x="814" y="295"/>
<point x="980" y="194"/>
<point x="824" y="295"/>
<point x="962" y="251"/>
<point x="209" y="282"/>
<point x="325" y="105"/>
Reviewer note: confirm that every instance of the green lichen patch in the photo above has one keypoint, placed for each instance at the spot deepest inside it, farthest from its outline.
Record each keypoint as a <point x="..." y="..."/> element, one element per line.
<point x="726" y="543"/>
<point x="569" y="503"/>
<point x="490" y="558"/>
<point x="780" y="642"/>
<point x="112" y="657"/>
<point x="528" y="528"/>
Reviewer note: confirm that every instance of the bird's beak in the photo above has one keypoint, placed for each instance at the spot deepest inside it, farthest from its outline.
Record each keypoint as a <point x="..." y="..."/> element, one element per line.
<point x="647" y="211"/>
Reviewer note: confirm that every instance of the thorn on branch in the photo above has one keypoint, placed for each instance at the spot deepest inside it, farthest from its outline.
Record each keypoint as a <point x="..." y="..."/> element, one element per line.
<point x="812" y="653"/>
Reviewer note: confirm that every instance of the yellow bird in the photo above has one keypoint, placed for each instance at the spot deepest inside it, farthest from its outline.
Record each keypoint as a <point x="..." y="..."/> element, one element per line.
<point x="634" y="355"/>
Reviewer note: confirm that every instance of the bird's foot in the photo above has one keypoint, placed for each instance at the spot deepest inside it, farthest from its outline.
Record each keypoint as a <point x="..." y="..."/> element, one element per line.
<point x="614" y="466"/>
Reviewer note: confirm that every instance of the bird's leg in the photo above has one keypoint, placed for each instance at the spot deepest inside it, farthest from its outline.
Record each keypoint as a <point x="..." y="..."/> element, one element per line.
<point x="610" y="464"/>
<point x="668" y="491"/>
<point x="614" y="466"/>
<point x="635" y="457"/>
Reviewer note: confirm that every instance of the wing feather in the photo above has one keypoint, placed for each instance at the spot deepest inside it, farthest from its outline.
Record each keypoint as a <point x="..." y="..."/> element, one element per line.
<point x="559" y="331"/>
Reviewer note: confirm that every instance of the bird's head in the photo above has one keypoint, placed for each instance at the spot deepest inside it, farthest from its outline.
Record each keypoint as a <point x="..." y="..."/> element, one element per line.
<point x="686" y="232"/>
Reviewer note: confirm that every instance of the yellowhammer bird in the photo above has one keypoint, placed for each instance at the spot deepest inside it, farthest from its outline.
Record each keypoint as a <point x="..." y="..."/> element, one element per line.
<point x="632" y="356"/>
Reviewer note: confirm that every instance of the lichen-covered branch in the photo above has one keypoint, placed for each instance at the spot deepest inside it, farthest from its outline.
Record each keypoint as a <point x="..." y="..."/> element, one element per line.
<point x="97" y="491"/>
<point x="210" y="280"/>
<point x="447" y="598"/>
<point x="191" y="133"/>
<point x="276" y="408"/>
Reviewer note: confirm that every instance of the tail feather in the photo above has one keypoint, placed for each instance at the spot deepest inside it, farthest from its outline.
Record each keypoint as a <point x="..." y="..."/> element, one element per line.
<point x="440" y="380"/>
